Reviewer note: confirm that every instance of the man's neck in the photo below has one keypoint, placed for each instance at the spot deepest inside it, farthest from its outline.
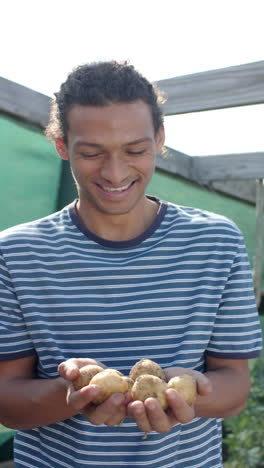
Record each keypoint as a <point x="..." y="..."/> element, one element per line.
<point x="119" y="227"/>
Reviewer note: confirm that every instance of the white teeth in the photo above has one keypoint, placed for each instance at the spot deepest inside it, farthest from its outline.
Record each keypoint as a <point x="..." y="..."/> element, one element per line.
<point x="116" y="189"/>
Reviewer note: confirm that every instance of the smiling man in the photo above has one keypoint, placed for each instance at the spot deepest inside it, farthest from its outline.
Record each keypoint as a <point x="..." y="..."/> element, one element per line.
<point x="112" y="154"/>
<point x="114" y="277"/>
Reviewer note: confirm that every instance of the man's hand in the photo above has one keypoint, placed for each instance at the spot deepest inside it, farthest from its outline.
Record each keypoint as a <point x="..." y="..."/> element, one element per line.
<point x="111" y="412"/>
<point x="149" y="415"/>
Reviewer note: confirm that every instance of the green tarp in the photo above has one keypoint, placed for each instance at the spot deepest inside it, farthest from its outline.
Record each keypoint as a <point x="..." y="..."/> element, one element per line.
<point x="30" y="173"/>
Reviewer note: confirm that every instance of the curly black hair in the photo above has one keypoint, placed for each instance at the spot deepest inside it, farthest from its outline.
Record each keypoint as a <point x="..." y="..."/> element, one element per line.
<point x="101" y="84"/>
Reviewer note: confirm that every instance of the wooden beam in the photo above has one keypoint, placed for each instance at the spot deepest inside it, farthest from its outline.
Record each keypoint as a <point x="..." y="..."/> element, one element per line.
<point x="174" y="162"/>
<point x="240" y="85"/>
<point x="24" y="103"/>
<point x="233" y="174"/>
<point x="242" y="189"/>
<point x="215" y="89"/>
<point x="228" y="166"/>
<point x="211" y="168"/>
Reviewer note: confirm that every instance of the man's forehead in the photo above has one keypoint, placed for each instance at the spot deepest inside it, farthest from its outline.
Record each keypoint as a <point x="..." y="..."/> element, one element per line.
<point x="132" y="121"/>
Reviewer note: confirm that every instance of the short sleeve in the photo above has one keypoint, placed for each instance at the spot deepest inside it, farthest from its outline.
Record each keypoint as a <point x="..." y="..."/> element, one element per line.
<point x="15" y="341"/>
<point x="237" y="331"/>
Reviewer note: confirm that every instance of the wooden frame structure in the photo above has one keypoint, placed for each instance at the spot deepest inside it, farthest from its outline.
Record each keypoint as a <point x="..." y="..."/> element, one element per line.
<point x="218" y="89"/>
<point x="215" y="89"/>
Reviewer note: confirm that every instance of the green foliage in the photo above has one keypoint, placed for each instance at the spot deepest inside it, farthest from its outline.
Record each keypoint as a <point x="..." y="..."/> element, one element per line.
<point x="243" y="434"/>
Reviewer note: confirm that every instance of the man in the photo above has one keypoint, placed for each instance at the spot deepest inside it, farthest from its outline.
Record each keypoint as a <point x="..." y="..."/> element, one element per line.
<point x="115" y="277"/>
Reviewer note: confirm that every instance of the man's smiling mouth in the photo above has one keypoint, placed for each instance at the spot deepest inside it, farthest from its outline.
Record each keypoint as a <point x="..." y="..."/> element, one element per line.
<point x="117" y="189"/>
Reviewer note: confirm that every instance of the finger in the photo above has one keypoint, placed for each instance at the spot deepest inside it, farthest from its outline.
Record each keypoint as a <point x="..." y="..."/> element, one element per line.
<point x="112" y="410"/>
<point x="128" y="398"/>
<point x="69" y="369"/>
<point x="137" y="411"/>
<point x="120" y="414"/>
<point x="159" y="420"/>
<point x="118" y="417"/>
<point x="204" y="386"/>
<point x="179" y="409"/>
<point x="79" y="399"/>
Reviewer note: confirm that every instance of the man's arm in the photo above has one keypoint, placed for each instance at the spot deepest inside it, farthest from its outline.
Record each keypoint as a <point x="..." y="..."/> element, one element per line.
<point x="26" y="401"/>
<point x="222" y="392"/>
<point x="230" y="388"/>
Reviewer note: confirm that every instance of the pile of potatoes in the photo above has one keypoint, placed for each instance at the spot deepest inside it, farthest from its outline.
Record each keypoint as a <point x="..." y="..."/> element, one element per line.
<point x="146" y="379"/>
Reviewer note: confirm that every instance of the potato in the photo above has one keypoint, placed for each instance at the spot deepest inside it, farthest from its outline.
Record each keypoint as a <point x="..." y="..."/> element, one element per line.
<point x="186" y="386"/>
<point x="147" y="386"/>
<point x="86" y="374"/>
<point x="130" y="383"/>
<point x="109" y="382"/>
<point x="115" y="371"/>
<point x="146" y="366"/>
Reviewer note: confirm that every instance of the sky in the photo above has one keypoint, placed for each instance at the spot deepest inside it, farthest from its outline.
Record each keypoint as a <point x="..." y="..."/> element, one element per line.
<point x="42" y="41"/>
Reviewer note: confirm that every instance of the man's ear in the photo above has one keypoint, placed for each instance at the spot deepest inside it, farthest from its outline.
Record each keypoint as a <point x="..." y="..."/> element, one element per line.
<point x="61" y="149"/>
<point x="160" y="139"/>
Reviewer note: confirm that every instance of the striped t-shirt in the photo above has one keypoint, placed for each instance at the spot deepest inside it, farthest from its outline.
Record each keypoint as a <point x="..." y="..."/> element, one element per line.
<point x="179" y="291"/>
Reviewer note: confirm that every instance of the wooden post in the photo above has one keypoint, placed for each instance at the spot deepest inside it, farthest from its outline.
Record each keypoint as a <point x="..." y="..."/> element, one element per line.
<point x="259" y="240"/>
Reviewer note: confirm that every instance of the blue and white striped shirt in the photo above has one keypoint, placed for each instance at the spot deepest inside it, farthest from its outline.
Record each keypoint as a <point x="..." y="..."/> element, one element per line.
<point x="179" y="291"/>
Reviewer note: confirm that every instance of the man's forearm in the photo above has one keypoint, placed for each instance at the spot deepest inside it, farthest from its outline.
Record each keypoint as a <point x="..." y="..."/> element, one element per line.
<point x="27" y="403"/>
<point x="228" y="397"/>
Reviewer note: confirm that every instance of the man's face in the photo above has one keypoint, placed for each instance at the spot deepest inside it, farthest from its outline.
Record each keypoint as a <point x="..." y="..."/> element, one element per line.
<point x="112" y="154"/>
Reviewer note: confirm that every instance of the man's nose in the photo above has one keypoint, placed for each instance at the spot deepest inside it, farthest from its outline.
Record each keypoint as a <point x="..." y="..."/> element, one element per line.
<point x="115" y="169"/>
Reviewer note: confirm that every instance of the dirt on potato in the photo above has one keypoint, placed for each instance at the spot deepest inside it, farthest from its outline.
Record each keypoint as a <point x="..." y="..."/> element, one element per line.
<point x="147" y="366"/>
<point x="150" y="386"/>
<point x="86" y="374"/>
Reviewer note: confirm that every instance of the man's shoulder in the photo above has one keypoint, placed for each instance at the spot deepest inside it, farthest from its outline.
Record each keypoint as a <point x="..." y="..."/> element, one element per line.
<point x="195" y="218"/>
<point x="48" y="225"/>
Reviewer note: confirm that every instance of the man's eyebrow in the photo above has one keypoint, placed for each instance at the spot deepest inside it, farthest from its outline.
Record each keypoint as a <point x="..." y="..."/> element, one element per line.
<point x="86" y="143"/>
<point x="96" y="145"/>
<point x="141" y="140"/>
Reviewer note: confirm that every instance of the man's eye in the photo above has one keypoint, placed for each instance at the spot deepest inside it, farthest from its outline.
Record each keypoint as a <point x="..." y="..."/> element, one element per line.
<point x="136" y="152"/>
<point x="89" y="155"/>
